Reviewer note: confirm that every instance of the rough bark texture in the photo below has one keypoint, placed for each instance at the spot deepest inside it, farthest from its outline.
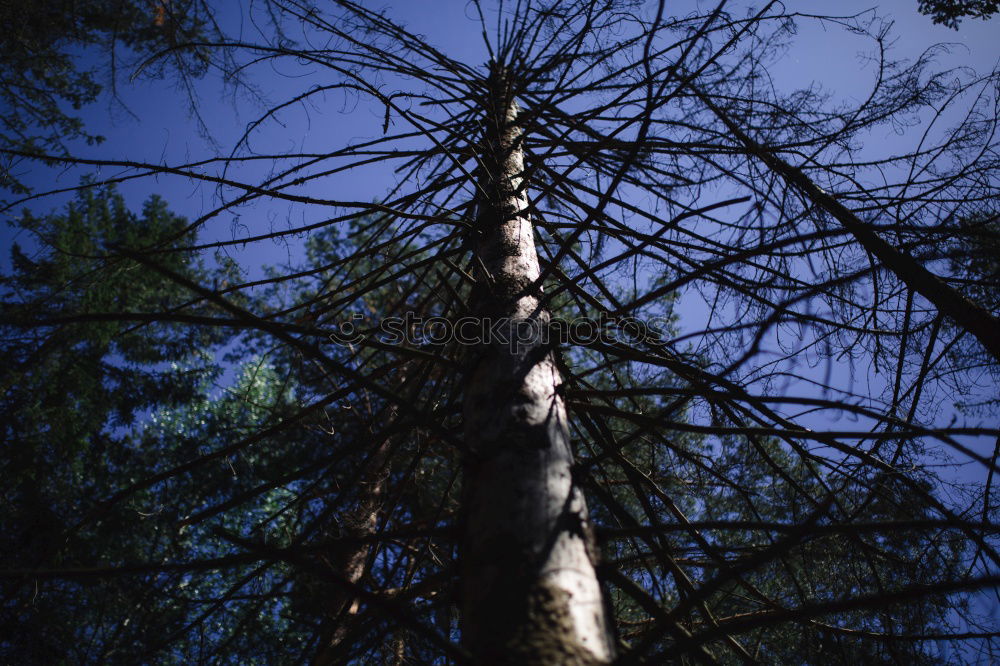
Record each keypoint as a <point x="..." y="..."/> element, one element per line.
<point x="530" y="592"/>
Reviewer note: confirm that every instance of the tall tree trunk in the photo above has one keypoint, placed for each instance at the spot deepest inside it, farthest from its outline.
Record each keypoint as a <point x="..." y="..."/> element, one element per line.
<point x="347" y="560"/>
<point x="530" y="593"/>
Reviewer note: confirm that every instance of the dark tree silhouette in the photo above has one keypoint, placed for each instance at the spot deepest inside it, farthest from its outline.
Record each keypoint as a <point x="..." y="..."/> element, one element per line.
<point x="951" y="12"/>
<point x="613" y="476"/>
<point x="45" y="80"/>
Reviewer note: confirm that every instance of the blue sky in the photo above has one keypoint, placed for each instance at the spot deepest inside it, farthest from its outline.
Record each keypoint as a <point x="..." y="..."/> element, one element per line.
<point x="153" y="123"/>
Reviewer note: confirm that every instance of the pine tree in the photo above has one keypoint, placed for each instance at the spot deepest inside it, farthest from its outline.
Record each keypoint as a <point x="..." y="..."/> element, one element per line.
<point x="606" y="161"/>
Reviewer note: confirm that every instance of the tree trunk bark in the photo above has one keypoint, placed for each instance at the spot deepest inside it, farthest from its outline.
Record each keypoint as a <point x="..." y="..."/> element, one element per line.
<point x="530" y="594"/>
<point x="348" y="560"/>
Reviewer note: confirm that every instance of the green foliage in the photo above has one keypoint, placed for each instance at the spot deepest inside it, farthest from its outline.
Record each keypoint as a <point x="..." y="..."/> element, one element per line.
<point x="44" y="79"/>
<point x="951" y="12"/>
<point x="77" y="371"/>
<point x="972" y="248"/>
<point x="389" y="471"/>
<point x="163" y="507"/>
<point x="974" y="253"/>
<point x="817" y="566"/>
<point x="278" y="513"/>
<point x="66" y="315"/>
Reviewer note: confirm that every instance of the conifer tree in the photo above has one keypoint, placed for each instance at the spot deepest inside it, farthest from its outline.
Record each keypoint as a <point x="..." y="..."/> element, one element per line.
<point x="614" y="477"/>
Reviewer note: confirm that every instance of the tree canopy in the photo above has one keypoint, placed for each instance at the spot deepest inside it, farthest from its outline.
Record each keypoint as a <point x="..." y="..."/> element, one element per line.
<point x="765" y="329"/>
<point x="950" y="12"/>
<point x="56" y="56"/>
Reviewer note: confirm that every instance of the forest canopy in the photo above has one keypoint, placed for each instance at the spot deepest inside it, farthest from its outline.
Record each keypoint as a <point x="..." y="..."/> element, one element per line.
<point x="570" y="332"/>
